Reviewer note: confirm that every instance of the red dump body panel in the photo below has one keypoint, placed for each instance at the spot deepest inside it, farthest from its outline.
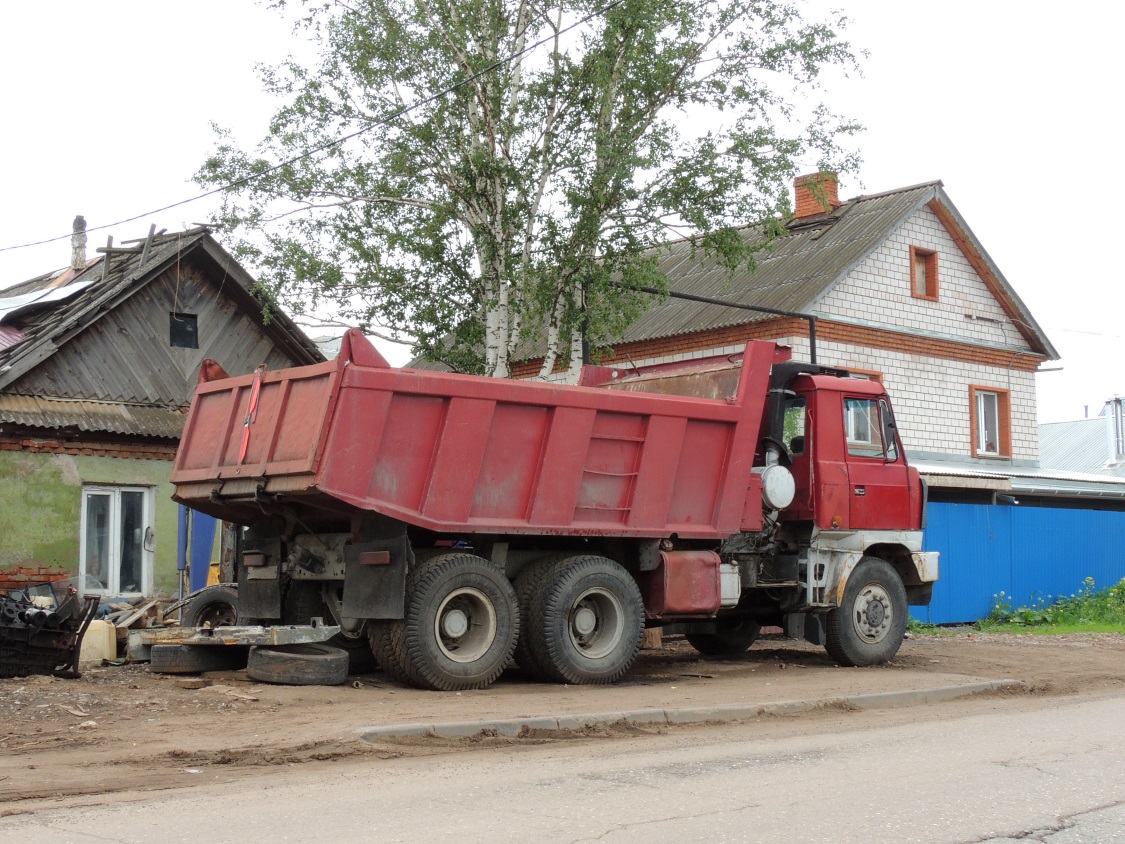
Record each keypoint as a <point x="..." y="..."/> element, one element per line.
<point x="465" y="454"/>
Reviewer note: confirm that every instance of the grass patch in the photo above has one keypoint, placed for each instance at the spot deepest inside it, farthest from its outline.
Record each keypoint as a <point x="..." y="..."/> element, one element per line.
<point x="1089" y="610"/>
<point x="913" y="625"/>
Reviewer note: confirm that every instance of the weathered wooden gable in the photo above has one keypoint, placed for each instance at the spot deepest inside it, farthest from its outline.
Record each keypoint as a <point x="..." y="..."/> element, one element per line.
<point x="126" y="354"/>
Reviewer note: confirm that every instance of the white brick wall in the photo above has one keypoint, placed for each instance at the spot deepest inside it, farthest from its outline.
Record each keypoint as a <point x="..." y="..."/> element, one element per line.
<point x="931" y="396"/>
<point x="878" y="290"/>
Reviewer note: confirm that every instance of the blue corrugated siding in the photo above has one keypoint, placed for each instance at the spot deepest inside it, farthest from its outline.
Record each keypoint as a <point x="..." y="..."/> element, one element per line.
<point x="1028" y="552"/>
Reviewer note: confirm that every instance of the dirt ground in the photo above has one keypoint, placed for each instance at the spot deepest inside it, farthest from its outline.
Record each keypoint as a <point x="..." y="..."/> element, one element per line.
<point x="121" y="728"/>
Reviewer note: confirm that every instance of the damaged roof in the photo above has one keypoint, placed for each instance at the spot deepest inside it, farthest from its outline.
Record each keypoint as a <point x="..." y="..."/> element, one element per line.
<point x="39" y="316"/>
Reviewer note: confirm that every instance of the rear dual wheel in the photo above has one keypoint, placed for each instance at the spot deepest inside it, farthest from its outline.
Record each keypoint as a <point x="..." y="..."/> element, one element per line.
<point x="583" y="619"/>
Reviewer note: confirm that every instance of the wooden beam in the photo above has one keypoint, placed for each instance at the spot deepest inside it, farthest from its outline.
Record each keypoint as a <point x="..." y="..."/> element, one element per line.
<point x="148" y="244"/>
<point x="105" y="260"/>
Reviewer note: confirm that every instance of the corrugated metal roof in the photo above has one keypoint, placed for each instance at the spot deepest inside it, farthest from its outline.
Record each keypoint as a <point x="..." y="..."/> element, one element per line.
<point x="1079" y="446"/>
<point x="1029" y="480"/>
<point x="89" y="416"/>
<point x="954" y="470"/>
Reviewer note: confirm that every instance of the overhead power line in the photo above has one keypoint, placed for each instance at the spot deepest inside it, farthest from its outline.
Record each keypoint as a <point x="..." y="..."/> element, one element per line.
<point x="344" y="138"/>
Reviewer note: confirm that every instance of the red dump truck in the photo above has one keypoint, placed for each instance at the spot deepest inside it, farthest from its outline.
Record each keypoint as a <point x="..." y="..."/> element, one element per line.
<point x="452" y="522"/>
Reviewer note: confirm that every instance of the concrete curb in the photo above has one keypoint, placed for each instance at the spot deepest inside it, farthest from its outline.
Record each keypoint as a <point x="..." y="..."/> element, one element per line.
<point x="692" y="715"/>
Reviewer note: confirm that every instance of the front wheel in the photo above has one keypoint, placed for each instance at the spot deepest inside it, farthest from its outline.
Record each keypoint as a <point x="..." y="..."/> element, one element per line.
<point x="869" y="625"/>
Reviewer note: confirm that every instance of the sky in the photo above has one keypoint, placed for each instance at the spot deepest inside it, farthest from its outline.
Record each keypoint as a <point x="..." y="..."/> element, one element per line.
<point x="108" y="111"/>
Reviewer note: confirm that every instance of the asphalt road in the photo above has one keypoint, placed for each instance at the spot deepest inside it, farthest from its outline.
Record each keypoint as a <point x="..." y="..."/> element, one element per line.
<point x="993" y="770"/>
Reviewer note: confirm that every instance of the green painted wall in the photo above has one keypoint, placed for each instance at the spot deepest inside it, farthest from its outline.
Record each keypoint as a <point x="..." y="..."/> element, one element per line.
<point x="41" y="500"/>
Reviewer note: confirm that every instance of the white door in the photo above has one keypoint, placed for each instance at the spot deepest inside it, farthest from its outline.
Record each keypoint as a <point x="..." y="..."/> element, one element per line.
<point x="117" y="540"/>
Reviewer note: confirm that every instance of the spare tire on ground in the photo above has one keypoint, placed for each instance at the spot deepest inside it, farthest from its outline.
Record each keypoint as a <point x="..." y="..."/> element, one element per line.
<point x="214" y="606"/>
<point x="195" y="659"/>
<point x="298" y="665"/>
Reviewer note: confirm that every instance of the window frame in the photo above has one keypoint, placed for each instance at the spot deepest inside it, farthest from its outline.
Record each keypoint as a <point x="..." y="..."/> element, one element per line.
<point x="1003" y="422"/>
<point x="113" y="539"/>
<point x="178" y="333"/>
<point x="857" y="447"/>
<point x="930" y="257"/>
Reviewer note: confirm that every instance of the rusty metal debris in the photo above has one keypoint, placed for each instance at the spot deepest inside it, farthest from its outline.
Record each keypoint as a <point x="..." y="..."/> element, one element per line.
<point x="43" y="635"/>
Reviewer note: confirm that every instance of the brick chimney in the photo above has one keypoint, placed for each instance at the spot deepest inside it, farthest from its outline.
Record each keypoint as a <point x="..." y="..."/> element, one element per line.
<point x="78" y="244"/>
<point x="816" y="194"/>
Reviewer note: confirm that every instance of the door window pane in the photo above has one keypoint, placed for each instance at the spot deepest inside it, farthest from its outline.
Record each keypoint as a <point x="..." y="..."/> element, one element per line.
<point x="132" y="537"/>
<point x="96" y="551"/>
<point x="793" y="429"/>
<point x="860" y="416"/>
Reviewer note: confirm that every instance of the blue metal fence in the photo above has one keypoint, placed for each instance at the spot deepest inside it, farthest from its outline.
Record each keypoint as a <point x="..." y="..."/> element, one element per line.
<point x="1026" y="552"/>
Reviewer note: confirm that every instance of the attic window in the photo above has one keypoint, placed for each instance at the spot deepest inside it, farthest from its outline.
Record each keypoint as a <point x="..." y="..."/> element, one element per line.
<point x="923" y="273"/>
<point x="183" y="330"/>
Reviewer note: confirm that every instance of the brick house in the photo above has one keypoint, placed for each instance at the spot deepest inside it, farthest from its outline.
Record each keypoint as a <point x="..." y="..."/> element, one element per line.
<point x="902" y="291"/>
<point x="97" y="365"/>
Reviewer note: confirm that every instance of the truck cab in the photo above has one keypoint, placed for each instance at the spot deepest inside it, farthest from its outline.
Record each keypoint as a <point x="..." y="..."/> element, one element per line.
<point x="849" y="468"/>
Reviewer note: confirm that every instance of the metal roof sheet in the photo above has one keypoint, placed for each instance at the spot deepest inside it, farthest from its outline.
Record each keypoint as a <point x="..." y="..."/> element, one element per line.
<point x="90" y="416"/>
<point x="1078" y="446"/>
<point x="1030" y="480"/>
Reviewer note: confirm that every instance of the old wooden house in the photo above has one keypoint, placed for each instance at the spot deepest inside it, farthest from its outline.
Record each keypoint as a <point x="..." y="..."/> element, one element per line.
<point x="97" y="365"/>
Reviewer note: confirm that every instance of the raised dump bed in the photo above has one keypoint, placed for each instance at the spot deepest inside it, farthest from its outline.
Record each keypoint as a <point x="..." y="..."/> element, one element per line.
<point x="463" y="454"/>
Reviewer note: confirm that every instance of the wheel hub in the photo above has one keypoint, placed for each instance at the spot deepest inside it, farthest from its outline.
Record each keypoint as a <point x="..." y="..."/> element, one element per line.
<point x="455" y="624"/>
<point x="465" y="625"/>
<point x="875" y="613"/>
<point x="585" y="620"/>
<point x="872" y="615"/>
<point x="596" y="621"/>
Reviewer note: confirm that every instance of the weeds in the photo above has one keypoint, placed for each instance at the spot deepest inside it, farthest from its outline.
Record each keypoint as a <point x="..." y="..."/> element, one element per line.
<point x="1087" y="609"/>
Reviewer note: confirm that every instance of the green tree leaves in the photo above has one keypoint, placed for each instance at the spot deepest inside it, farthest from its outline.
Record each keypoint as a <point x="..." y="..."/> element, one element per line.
<point x="491" y="194"/>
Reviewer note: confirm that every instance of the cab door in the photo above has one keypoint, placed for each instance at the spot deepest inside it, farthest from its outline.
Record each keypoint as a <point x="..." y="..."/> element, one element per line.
<point x="878" y="479"/>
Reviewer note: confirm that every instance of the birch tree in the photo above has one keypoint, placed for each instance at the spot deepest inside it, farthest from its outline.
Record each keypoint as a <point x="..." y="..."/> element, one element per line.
<point x="511" y="168"/>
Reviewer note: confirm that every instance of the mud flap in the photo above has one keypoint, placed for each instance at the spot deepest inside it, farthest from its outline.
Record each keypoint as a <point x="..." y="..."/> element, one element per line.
<point x="259" y="584"/>
<point x="807" y="626"/>
<point x="375" y="578"/>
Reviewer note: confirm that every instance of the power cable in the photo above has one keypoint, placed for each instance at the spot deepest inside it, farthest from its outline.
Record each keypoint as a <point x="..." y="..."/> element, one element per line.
<point x="345" y="138"/>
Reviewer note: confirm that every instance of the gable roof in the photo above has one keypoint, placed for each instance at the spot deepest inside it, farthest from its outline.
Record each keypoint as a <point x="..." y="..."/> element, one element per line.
<point x="799" y="269"/>
<point x="39" y="316"/>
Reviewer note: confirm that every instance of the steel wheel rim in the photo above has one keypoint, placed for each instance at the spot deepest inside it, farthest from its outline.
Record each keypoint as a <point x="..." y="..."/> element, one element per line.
<point x="595" y="623"/>
<point x="872" y="613"/>
<point x="217" y="615"/>
<point x="465" y="625"/>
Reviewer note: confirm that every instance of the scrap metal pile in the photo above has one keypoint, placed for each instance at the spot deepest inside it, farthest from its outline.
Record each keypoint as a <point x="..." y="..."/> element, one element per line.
<point x="42" y="634"/>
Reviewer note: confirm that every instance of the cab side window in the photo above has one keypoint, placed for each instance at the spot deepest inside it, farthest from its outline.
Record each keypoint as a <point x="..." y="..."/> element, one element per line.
<point x="869" y="428"/>
<point x="795" y="425"/>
